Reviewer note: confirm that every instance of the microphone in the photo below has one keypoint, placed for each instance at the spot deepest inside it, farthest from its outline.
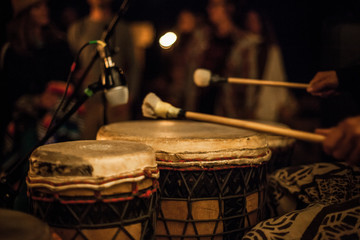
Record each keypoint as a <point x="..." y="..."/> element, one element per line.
<point x="113" y="79"/>
<point x="204" y="78"/>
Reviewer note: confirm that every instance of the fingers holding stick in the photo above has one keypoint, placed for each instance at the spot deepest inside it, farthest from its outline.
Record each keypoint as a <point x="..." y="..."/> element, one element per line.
<point x="343" y="141"/>
<point x="323" y="84"/>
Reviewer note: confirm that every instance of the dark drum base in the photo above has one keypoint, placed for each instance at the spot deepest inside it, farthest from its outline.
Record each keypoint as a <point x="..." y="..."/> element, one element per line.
<point x="103" y="217"/>
<point x="210" y="203"/>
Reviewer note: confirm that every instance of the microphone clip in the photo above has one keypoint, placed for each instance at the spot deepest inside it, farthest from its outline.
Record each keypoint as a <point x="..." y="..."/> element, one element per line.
<point x="112" y="77"/>
<point x="115" y="86"/>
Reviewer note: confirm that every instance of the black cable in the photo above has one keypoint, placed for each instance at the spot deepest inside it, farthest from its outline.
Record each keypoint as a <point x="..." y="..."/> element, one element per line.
<point x="68" y="81"/>
<point x="104" y="37"/>
<point x="7" y="193"/>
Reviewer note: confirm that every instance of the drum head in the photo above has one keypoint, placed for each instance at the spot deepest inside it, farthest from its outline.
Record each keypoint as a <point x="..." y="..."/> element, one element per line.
<point x="188" y="140"/>
<point x="172" y="129"/>
<point x="277" y="141"/>
<point x="91" y="164"/>
<point x="91" y="158"/>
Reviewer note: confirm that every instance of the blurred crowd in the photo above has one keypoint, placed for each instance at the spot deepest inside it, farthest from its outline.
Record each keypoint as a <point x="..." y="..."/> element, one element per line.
<point x="229" y="38"/>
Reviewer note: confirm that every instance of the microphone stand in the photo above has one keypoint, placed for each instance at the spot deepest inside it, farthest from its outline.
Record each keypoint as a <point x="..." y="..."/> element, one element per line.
<point x="104" y="37"/>
<point x="7" y="192"/>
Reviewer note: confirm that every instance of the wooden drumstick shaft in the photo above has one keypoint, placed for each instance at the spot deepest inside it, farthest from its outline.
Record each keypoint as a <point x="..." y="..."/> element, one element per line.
<point x="301" y="135"/>
<point x="204" y="78"/>
<point x="153" y="107"/>
<point x="267" y="83"/>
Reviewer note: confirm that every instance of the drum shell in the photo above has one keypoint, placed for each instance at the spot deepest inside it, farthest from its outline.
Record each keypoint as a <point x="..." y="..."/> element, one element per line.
<point x="87" y="189"/>
<point x="190" y="159"/>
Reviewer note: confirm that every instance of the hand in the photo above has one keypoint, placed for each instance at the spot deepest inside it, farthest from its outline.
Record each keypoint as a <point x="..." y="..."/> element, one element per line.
<point x="343" y="141"/>
<point x="324" y="84"/>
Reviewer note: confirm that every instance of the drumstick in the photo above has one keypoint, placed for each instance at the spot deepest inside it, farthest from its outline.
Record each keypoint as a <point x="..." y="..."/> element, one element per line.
<point x="154" y="107"/>
<point x="203" y="78"/>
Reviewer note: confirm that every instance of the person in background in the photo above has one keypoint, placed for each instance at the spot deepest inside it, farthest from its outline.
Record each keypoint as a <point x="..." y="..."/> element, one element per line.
<point x="221" y="47"/>
<point x="143" y="33"/>
<point x="179" y="58"/>
<point x="35" y="63"/>
<point x="262" y="102"/>
<point x="91" y="27"/>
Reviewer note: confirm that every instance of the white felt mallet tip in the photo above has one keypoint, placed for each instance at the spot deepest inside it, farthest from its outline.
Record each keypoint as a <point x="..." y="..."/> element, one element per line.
<point x="153" y="107"/>
<point x="202" y="77"/>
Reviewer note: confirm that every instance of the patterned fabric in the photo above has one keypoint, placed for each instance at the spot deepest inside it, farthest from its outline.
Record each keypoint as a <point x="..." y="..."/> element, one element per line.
<point x="298" y="186"/>
<point x="317" y="201"/>
<point x="318" y="221"/>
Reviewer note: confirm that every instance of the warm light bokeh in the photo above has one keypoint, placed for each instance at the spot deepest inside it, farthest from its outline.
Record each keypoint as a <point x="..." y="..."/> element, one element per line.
<point x="167" y="40"/>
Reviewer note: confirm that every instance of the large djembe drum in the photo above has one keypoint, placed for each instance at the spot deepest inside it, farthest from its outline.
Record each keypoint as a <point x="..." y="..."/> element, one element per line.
<point x="212" y="177"/>
<point x="95" y="189"/>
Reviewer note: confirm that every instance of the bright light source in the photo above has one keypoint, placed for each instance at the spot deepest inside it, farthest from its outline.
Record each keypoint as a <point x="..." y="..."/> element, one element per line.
<point x="167" y="40"/>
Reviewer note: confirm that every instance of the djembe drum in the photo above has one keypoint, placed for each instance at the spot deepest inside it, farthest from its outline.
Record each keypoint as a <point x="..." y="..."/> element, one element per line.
<point x="95" y="189"/>
<point x="212" y="177"/>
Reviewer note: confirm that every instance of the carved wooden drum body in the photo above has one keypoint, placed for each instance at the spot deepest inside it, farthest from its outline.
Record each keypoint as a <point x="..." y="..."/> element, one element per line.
<point x="95" y="189"/>
<point x="212" y="177"/>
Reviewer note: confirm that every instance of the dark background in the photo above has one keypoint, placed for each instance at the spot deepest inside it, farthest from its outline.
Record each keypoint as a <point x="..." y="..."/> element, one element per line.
<point x="314" y="35"/>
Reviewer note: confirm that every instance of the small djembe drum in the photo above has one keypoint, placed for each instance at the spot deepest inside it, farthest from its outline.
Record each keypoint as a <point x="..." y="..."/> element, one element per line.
<point x="212" y="177"/>
<point x="95" y="189"/>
